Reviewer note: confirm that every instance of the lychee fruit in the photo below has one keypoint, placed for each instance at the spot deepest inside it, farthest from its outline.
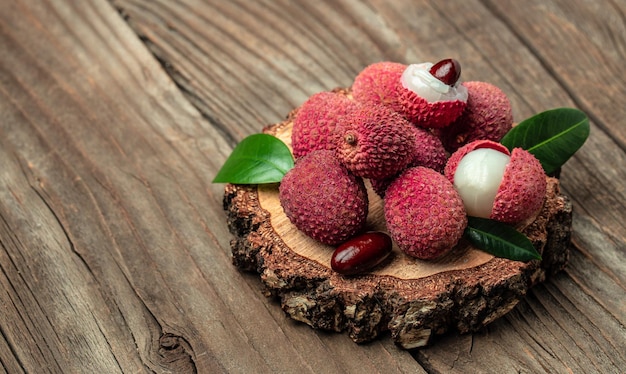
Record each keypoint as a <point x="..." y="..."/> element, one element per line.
<point x="496" y="184"/>
<point x="488" y="115"/>
<point x="379" y="83"/>
<point x="428" y="152"/>
<point x="427" y="100"/>
<point x="316" y="121"/>
<point x="425" y="215"/>
<point x="323" y="199"/>
<point x="455" y="158"/>
<point x="375" y="142"/>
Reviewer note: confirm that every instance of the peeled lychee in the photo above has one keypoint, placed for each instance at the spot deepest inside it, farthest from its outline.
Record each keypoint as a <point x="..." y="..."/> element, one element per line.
<point x="488" y="115"/>
<point x="323" y="199"/>
<point x="427" y="101"/>
<point x="379" y="83"/>
<point x="316" y="121"/>
<point x="496" y="184"/>
<point x="425" y="215"/>
<point x="456" y="157"/>
<point x="375" y="142"/>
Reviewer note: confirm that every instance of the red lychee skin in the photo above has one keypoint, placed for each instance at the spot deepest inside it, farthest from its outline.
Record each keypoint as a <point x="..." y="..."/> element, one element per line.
<point x="424" y="213"/>
<point x="379" y="83"/>
<point x="323" y="199"/>
<point x="437" y="114"/>
<point x="456" y="157"/>
<point x="523" y="188"/>
<point x="316" y="121"/>
<point x="376" y="142"/>
<point x="429" y="152"/>
<point x="488" y="115"/>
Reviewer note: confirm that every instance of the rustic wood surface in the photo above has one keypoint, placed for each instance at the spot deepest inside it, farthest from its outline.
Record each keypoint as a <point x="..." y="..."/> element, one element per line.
<point x="115" y="116"/>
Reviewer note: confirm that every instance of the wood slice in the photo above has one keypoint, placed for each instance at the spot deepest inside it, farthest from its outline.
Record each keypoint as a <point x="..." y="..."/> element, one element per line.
<point x="411" y="298"/>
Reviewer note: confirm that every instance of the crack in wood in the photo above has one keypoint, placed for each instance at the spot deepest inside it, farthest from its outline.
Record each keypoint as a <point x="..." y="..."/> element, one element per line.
<point x="177" y="353"/>
<point x="181" y="82"/>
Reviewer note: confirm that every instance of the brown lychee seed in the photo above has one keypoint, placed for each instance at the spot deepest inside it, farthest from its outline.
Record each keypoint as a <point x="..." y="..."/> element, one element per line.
<point x="323" y="199"/>
<point x="424" y="214"/>
<point x="377" y="142"/>
<point x="361" y="253"/>
<point x="448" y="71"/>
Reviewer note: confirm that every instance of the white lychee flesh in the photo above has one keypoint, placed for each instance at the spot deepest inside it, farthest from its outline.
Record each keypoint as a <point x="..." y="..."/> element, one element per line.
<point x="477" y="179"/>
<point x="417" y="78"/>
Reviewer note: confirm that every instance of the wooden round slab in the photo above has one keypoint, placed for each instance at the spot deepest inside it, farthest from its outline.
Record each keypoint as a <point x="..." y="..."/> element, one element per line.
<point x="412" y="299"/>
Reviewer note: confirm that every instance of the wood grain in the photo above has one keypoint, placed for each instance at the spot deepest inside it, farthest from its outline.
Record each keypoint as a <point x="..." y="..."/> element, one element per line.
<point x="115" y="116"/>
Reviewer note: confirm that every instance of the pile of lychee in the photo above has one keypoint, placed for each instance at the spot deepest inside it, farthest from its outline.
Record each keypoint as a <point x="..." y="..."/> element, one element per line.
<point x="427" y="142"/>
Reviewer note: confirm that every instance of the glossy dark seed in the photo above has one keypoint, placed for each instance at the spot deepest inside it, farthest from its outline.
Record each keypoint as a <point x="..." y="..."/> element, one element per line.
<point x="448" y="71"/>
<point x="361" y="253"/>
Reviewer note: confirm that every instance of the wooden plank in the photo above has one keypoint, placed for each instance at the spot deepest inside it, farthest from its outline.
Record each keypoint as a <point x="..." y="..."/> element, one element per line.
<point x="540" y="53"/>
<point x="581" y="46"/>
<point x="114" y="251"/>
<point x="491" y="50"/>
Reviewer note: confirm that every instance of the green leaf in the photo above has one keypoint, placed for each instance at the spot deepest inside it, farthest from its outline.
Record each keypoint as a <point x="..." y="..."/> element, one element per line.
<point x="257" y="159"/>
<point x="552" y="136"/>
<point x="500" y="240"/>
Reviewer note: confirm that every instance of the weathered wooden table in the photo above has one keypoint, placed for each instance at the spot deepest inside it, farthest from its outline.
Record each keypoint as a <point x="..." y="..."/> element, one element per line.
<point x="116" y="115"/>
